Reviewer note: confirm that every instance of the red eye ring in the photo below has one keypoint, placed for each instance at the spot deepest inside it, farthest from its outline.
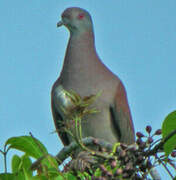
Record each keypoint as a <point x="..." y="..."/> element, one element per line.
<point x="81" y="16"/>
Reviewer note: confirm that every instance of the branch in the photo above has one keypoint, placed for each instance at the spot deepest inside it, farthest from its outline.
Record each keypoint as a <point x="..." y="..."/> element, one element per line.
<point x="66" y="151"/>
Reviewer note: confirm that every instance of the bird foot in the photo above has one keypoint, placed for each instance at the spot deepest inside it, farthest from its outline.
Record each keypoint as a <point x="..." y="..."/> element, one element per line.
<point x="82" y="161"/>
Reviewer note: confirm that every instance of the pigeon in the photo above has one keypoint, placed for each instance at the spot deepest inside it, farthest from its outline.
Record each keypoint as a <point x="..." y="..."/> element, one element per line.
<point x="85" y="73"/>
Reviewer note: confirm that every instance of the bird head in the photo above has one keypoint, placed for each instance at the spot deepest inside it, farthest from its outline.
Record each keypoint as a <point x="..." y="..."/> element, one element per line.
<point x="77" y="20"/>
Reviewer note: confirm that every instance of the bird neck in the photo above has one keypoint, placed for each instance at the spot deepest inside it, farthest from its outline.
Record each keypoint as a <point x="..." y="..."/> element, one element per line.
<point x="81" y="52"/>
<point x="82" y="41"/>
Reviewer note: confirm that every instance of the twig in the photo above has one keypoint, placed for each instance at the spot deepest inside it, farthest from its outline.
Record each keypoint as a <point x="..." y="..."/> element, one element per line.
<point x="161" y="144"/>
<point x="5" y="161"/>
<point x="5" y="157"/>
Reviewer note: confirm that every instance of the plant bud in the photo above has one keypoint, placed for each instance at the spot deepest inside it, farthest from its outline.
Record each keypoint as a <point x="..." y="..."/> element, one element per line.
<point x="139" y="135"/>
<point x="158" y="132"/>
<point x="148" y="129"/>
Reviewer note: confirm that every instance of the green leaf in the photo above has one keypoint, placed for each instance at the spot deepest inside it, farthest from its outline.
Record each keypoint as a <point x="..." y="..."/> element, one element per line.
<point x="69" y="176"/>
<point x="27" y="144"/>
<point x="97" y="172"/>
<point x="50" y="162"/>
<point x="26" y="165"/>
<point x="87" y="176"/>
<point x="16" y="160"/>
<point x="52" y="172"/>
<point x="41" y="177"/>
<point x="17" y="168"/>
<point x="20" y="176"/>
<point x="21" y="167"/>
<point x="168" y="126"/>
<point x="26" y="174"/>
<point x="59" y="178"/>
<point x="81" y="175"/>
<point x="7" y="176"/>
<point x="26" y="161"/>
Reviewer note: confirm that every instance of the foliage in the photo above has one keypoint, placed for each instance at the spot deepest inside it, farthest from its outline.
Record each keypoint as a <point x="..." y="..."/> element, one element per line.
<point x="121" y="161"/>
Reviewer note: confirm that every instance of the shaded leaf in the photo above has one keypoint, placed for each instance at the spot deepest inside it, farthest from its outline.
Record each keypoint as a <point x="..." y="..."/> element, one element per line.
<point x="19" y="176"/>
<point x="7" y="176"/>
<point x="53" y="172"/>
<point x="39" y="178"/>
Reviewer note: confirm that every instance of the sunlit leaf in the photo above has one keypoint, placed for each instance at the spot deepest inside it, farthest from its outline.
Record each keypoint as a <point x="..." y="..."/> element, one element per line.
<point x="26" y="165"/>
<point x="16" y="160"/>
<point x="69" y="176"/>
<point x="97" y="172"/>
<point x="168" y="126"/>
<point x="26" y="174"/>
<point x="27" y="144"/>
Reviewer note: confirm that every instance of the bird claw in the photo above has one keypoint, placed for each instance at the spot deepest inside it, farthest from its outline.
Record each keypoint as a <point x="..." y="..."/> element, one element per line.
<point x="83" y="160"/>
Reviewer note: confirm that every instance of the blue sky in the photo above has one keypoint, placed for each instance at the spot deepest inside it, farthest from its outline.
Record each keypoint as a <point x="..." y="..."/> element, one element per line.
<point x="135" y="39"/>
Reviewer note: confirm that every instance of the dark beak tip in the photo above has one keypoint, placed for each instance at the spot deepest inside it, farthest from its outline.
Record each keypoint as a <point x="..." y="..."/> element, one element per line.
<point x="60" y="23"/>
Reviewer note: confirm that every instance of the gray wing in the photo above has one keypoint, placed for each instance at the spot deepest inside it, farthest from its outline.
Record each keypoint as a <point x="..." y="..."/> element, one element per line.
<point x="60" y="101"/>
<point x="121" y="117"/>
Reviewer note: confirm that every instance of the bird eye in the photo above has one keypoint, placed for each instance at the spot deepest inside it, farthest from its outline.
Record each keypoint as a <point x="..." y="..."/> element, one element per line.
<point x="81" y="16"/>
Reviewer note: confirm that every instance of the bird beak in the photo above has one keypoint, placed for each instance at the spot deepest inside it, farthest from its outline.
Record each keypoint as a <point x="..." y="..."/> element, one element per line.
<point x="60" y="23"/>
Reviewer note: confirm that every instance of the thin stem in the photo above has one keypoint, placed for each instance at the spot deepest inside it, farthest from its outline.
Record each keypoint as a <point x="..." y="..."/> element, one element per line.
<point x="70" y="133"/>
<point x="155" y="142"/>
<point x="5" y="158"/>
<point x="161" y="144"/>
<point x="79" y="134"/>
<point x="80" y="128"/>
<point x="5" y="162"/>
<point x="172" y="165"/>
<point x="76" y="128"/>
